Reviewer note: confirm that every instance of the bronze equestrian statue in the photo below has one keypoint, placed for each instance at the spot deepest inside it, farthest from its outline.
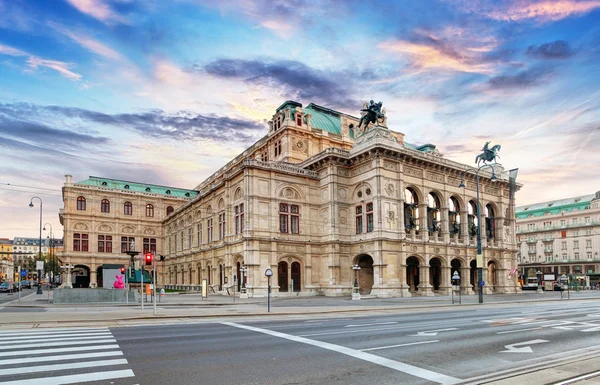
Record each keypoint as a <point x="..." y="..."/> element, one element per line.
<point x="489" y="154"/>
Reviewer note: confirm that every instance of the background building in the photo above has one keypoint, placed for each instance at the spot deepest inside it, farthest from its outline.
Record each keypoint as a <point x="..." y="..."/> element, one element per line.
<point x="560" y="237"/>
<point x="6" y="259"/>
<point x="312" y="198"/>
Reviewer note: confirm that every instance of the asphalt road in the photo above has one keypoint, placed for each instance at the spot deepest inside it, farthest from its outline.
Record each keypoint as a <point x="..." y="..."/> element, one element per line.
<point x="6" y="297"/>
<point x="437" y="346"/>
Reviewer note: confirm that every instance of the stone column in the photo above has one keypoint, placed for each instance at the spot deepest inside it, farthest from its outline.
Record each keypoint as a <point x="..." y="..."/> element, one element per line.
<point x="445" y="224"/>
<point x="464" y="226"/>
<point x="424" y="285"/>
<point x="404" y="288"/>
<point x="423" y="230"/>
<point x="465" y="281"/>
<point x="93" y="278"/>
<point x="445" y="284"/>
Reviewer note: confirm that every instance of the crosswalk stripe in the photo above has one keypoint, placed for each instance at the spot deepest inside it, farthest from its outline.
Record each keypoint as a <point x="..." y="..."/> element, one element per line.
<point x="58" y="350"/>
<point x="53" y="339"/>
<point x="63" y="357"/>
<point x="70" y="366"/>
<point x="58" y="343"/>
<point x="48" y="336"/>
<point x="48" y="331"/>
<point x="74" y="379"/>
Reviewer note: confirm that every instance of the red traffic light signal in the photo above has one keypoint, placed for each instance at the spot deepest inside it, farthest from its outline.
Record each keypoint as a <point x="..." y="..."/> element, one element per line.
<point x="122" y="270"/>
<point x="148" y="258"/>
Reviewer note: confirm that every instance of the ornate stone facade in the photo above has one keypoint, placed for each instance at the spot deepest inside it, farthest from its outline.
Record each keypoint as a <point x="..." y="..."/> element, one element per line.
<point x="312" y="210"/>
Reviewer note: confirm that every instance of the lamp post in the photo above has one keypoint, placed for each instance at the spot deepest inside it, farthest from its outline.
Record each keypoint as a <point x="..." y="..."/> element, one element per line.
<point x="50" y="256"/>
<point x="355" y="289"/>
<point x="479" y="248"/>
<point x="39" y="288"/>
<point x="132" y="253"/>
<point x="268" y="274"/>
<point x="243" y="271"/>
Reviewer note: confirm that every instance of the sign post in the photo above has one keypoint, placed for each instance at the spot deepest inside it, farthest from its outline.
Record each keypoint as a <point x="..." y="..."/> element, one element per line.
<point x="154" y="285"/>
<point x="268" y="274"/>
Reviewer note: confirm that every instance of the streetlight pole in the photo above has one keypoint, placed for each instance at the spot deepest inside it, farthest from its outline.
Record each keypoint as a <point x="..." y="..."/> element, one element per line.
<point x="132" y="253"/>
<point x="268" y="274"/>
<point x="355" y="289"/>
<point x="51" y="244"/>
<point x="479" y="248"/>
<point x="39" y="289"/>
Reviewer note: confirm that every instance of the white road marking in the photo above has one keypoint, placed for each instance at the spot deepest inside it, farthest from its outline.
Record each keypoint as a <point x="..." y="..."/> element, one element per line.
<point x="58" y="350"/>
<point x="396" y="365"/>
<point x="56" y="336"/>
<point x="23" y="332"/>
<point x="74" y="379"/>
<point x="53" y="367"/>
<point x="518" y="331"/>
<point x="63" y="357"/>
<point x="431" y="333"/>
<point x="576" y="379"/>
<point x="356" y="331"/>
<point x="58" y="343"/>
<point x="397" y="346"/>
<point x="512" y="348"/>
<point x="53" y="338"/>
<point x="375" y="324"/>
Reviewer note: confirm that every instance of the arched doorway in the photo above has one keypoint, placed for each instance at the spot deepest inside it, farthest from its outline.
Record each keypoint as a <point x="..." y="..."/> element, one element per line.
<point x="474" y="274"/>
<point x="435" y="273"/>
<point x="239" y="276"/>
<point x="412" y="273"/>
<point x="209" y="274"/>
<point x="199" y="272"/>
<point x="190" y="274"/>
<point x="296" y="278"/>
<point x="81" y="276"/>
<point x="455" y="266"/>
<point x="220" y="277"/>
<point x="99" y="277"/>
<point x="365" y="274"/>
<point x="182" y="276"/>
<point x="492" y="278"/>
<point x="282" y="276"/>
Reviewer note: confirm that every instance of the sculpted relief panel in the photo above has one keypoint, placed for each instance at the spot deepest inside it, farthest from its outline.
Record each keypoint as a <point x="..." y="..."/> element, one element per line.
<point x="413" y="172"/>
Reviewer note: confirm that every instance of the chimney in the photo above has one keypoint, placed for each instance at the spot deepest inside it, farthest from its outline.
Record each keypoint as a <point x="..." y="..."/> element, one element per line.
<point x="68" y="180"/>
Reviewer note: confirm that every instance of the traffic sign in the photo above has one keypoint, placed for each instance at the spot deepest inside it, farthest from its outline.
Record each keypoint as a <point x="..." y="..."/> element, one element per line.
<point x="23" y="273"/>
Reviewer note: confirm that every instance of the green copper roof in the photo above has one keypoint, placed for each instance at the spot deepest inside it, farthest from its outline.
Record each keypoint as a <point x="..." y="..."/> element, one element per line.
<point x="554" y="207"/>
<point x="423" y="148"/>
<point x="324" y="118"/>
<point x="289" y="103"/>
<point x="138" y="187"/>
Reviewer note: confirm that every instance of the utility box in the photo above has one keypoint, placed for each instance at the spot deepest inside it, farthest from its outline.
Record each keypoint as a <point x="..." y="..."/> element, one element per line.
<point x="549" y="285"/>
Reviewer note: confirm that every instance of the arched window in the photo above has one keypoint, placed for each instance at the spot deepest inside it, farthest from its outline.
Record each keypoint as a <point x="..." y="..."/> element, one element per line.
<point x="453" y="216"/>
<point x="411" y="212"/>
<point x="81" y="203"/>
<point x="433" y="212"/>
<point x="170" y="210"/>
<point x="473" y="220"/>
<point x="149" y="210"/>
<point x="128" y="208"/>
<point x="490" y="222"/>
<point x="105" y="206"/>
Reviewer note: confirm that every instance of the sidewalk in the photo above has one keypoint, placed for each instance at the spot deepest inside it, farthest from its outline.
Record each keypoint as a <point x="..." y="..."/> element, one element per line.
<point x="37" y="311"/>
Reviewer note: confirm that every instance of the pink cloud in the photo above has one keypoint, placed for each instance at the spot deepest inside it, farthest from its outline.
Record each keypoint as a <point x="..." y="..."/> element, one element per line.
<point x="97" y="9"/>
<point x="89" y="43"/>
<point x="10" y="51"/>
<point x="58" y="66"/>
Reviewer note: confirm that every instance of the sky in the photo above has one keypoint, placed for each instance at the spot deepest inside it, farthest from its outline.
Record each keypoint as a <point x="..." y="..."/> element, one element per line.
<point x="167" y="92"/>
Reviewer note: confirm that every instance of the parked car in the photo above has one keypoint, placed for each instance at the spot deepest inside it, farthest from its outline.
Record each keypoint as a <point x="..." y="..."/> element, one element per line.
<point x="26" y="284"/>
<point x="558" y="287"/>
<point x="6" y="287"/>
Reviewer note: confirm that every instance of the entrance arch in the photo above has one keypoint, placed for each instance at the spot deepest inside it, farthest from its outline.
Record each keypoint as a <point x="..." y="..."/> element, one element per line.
<point x="282" y="276"/>
<point x="412" y="273"/>
<point x="99" y="277"/>
<point x="474" y="274"/>
<point x="365" y="274"/>
<point x="220" y="277"/>
<point x="81" y="276"/>
<point x="239" y="276"/>
<point x="296" y="277"/>
<point x="492" y="278"/>
<point x="435" y="273"/>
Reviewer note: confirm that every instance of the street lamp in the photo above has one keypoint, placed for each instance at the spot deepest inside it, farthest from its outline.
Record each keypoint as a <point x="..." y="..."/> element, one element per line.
<point x="51" y="245"/>
<point x="243" y="271"/>
<point x="132" y="253"/>
<point x="39" y="288"/>
<point x="268" y="274"/>
<point x="355" y="289"/>
<point x="479" y="249"/>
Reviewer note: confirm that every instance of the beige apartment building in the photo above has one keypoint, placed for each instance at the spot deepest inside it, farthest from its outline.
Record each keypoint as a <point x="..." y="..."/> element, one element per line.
<point x="311" y="199"/>
<point x="561" y="237"/>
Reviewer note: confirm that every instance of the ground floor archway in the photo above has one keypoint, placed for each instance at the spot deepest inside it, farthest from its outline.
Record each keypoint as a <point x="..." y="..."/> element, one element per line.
<point x="474" y="277"/>
<point x="492" y="275"/>
<point x="435" y="273"/>
<point x="282" y="276"/>
<point x="412" y="273"/>
<point x="365" y="274"/>
<point x="80" y="276"/>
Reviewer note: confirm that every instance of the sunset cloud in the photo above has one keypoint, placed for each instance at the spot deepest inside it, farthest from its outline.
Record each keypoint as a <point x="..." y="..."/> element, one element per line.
<point x="88" y="43"/>
<point x="34" y="62"/>
<point x="98" y="9"/>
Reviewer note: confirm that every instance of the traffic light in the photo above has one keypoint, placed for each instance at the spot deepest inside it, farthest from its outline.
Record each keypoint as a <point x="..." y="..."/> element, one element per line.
<point x="148" y="259"/>
<point x="122" y="270"/>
